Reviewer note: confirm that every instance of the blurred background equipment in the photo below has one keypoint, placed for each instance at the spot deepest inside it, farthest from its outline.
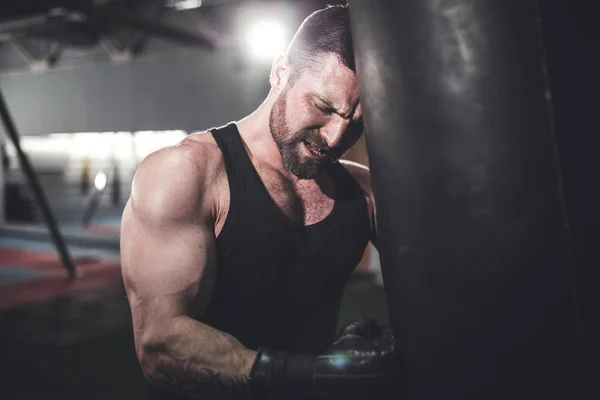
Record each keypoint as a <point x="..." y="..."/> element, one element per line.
<point x="102" y="163"/>
<point x="116" y="184"/>
<point x="85" y="175"/>
<point x="38" y="192"/>
<point x="94" y="199"/>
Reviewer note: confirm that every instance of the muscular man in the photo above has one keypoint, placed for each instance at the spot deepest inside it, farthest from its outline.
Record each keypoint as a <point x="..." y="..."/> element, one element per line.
<point x="237" y="242"/>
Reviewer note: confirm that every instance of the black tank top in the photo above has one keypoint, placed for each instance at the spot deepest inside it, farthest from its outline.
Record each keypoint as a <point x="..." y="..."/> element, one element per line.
<point x="279" y="283"/>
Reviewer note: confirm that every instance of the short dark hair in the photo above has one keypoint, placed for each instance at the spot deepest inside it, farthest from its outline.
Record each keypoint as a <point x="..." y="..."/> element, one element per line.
<point x="323" y="32"/>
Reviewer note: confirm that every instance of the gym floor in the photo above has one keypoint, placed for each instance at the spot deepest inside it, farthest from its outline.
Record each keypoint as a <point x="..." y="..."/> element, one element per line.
<point x="73" y="340"/>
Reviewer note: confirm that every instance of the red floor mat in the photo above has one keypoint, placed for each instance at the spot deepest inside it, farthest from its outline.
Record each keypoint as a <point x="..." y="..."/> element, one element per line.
<point x="51" y="282"/>
<point x="108" y="229"/>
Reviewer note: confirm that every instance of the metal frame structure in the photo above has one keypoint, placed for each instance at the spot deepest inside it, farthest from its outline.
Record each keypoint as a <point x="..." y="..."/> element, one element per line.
<point x="37" y="190"/>
<point x="94" y="27"/>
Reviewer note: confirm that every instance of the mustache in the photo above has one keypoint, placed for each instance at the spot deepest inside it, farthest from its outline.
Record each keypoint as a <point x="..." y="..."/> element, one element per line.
<point x="316" y="140"/>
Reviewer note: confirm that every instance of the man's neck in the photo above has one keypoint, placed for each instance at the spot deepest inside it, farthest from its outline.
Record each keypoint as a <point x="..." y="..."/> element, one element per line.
<point x="256" y="134"/>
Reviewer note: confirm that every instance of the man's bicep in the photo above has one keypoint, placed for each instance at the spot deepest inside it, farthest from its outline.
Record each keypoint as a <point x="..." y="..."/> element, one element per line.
<point x="168" y="268"/>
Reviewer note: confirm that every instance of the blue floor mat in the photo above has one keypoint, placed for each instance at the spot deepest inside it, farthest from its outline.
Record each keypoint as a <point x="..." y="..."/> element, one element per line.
<point x="12" y="274"/>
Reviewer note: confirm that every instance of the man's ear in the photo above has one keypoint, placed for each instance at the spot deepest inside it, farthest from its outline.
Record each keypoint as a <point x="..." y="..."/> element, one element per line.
<point x="280" y="73"/>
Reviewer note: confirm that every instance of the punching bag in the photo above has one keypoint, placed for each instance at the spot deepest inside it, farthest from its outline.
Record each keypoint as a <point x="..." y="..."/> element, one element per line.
<point x="472" y="231"/>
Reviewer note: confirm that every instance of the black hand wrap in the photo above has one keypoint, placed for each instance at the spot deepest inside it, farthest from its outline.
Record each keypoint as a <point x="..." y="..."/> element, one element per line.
<point x="281" y="375"/>
<point x="359" y="364"/>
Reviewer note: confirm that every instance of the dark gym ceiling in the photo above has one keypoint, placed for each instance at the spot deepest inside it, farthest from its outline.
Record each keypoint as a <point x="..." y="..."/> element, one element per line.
<point x="44" y="34"/>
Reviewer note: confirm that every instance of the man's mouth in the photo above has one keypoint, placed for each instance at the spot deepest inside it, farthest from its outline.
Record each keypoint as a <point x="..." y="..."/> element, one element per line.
<point x="315" y="151"/>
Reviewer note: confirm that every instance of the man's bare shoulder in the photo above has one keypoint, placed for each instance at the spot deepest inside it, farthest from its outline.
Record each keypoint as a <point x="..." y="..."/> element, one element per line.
<point x="179" y="180"/>
<point x="197" y="158"/>
<point x="361" y="173"/>
<point x="204" y="144"/>
<point x="202" y="138"/>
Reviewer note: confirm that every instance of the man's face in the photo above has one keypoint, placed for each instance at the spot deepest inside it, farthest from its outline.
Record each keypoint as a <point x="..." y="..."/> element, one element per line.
<point x="319" y="118"/>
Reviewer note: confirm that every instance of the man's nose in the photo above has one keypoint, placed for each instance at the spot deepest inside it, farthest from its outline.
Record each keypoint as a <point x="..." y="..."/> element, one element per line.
<point x="334" y="131"/>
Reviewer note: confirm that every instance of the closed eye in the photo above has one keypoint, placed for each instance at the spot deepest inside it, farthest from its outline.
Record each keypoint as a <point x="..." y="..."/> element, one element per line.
<point x="325" y="110"/>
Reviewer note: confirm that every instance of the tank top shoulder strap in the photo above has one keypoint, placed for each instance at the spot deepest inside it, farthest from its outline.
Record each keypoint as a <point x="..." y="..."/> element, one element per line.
<point x="240" y="170"/>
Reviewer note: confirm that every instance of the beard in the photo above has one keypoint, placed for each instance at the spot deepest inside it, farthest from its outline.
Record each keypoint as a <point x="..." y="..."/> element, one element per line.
<point x="290" y="143"/>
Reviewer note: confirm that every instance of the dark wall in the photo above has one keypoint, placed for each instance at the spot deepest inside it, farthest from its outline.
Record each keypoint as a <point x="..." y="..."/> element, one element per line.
<point x="189" y="90"/>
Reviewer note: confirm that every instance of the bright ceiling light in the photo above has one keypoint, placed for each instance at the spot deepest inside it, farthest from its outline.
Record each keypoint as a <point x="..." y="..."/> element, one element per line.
<point x="100" y="181"/>
<point x="183" y="4"/>
<point x="266" y="39"/>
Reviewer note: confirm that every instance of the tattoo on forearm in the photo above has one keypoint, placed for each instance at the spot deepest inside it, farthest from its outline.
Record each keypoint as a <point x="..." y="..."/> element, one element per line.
<point x="199" y="382"/>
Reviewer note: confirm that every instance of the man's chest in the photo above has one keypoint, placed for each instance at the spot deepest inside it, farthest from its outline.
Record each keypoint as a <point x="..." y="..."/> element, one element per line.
<point x="303" y="200"/>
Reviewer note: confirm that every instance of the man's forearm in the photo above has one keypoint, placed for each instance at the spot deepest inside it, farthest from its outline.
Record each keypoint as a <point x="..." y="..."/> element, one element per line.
<point x="200" y="362"/>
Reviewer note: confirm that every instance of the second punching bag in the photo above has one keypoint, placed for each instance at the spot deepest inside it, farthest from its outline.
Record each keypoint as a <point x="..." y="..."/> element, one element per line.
<point x="472" y="233"/>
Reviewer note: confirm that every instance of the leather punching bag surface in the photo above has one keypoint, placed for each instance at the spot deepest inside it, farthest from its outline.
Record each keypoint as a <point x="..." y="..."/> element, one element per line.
<point x="473" y="237"/>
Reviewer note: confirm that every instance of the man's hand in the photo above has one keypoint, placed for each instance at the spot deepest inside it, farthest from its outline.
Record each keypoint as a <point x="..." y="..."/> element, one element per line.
<point x="359" y="364"/>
